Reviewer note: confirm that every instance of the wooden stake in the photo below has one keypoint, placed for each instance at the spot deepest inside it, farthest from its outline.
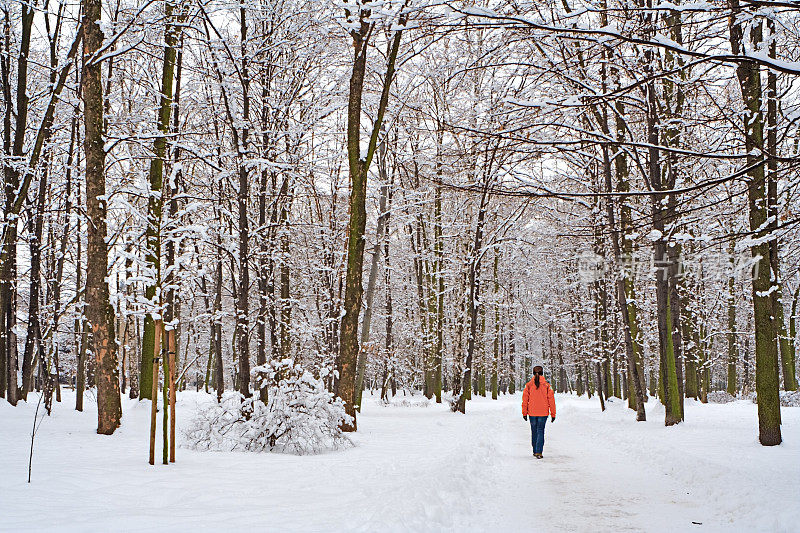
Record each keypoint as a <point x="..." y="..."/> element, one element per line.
<point x="165" y="393"/>
<point x="154" y="397"/>
<point x="171" y="354"/>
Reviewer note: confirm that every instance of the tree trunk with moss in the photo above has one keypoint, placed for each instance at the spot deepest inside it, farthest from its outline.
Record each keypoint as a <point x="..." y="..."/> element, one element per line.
<point x="664" y="308"/>
<point x="358" y="166"/>
<point x="787" y="357"/>
<point x="623" y="251"/>
<point x="767" y="375"/>
<point x="155" y="200"/>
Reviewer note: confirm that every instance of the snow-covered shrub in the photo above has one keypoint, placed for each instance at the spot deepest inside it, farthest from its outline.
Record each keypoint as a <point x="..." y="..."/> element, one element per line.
<point x="788" y="398"/>
<point x="300" y="416"/>
<point x="720" y="396"/>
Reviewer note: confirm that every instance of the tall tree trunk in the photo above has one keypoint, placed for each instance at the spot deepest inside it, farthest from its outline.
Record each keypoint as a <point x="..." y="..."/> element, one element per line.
<point x="793" y="326"/>
<point x="80" y="327"/>
<point x="787" y="357"/>
<point x="14" y="196"/>
<point x="271" y="286"/>
<point x="600" y="392"/>
<point x="5" y="249"/>
<point x="674" y="99"/>
<point x="16" y="191"/>
<point x="666" y="326"/>
<point x="99" y="310"/>
<point x="438" y="250"/>
<point x="219" y="372"/>
<point x="348" y="338"/>
<point x="243" y="301"/>
<point x="366" y="324"/>
<point x="512" y="349"/>
<point x="733" y="347"/>
<point x="264" y="274"/>
<point x="418" y="248"/>
<point x="746" y="361"/>
<point x="691" y="350"/>
<point x="704" y="375"/>
<point x="286" y="303"/>
<point x="605" y="341"/>
<point x="473" y="282"/>
<point x="62" y="254"/>
<point x="173" y="186"/>
<point x="33" y="338"/>
<point x="496" y="340"/>
<point x="155" y="201"/>
<point x="767" y="375"/>
<point x="390" y="371"/>
<point x="358" y="168"/>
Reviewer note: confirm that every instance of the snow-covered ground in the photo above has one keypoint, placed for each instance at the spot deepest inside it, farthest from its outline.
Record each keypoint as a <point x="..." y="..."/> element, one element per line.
<point x="415" y="467"/>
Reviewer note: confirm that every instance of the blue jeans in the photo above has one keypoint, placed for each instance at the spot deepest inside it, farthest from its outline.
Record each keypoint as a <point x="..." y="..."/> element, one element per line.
<point x="537" y="432"/>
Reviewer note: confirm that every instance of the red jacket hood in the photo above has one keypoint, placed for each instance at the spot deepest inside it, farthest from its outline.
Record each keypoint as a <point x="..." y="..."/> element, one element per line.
<point x="542" y="381"/>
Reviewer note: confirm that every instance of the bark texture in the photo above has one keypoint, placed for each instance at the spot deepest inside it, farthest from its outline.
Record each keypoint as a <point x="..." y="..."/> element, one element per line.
<point x="99" y="310"/>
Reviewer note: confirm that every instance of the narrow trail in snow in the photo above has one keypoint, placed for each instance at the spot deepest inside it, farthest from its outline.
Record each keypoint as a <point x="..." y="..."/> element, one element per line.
<point x="584" y="482"/>
<point x="562" y="491"/>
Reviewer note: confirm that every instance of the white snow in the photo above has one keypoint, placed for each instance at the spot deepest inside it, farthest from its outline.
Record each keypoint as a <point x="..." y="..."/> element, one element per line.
<point x="413" y="469"/>
<point x="654" y="235"/>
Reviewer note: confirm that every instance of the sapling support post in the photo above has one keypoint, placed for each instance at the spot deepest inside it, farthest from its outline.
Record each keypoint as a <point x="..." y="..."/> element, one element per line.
<point x="171" y="355"/>
<point x="164" y="390"/>
<point x="154" y="398"/>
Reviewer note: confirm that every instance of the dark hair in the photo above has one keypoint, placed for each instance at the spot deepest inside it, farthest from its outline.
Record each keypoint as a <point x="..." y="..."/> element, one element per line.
<point x="537" y="371"/>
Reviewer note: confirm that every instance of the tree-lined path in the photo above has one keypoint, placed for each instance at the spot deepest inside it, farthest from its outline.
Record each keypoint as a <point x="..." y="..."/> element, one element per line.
<point x="297" y="211"/>
<point x="416" y="467"/>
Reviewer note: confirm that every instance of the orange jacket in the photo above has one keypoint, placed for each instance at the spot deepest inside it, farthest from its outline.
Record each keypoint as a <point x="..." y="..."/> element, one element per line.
<point x="538" y="402"/>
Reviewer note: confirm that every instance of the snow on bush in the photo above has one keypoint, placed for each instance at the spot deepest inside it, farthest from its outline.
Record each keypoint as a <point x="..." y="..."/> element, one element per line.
<point x="788" y="398"/>
<point x="720" y="396"/>
<point x="300" y="416"/>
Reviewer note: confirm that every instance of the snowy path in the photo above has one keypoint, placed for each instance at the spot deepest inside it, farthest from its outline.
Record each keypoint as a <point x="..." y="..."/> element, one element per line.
<point x="415" y="469"/>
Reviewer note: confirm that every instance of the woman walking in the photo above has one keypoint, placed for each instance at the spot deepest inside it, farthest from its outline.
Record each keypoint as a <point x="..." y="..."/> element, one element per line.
<point x="537" y="402"/>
